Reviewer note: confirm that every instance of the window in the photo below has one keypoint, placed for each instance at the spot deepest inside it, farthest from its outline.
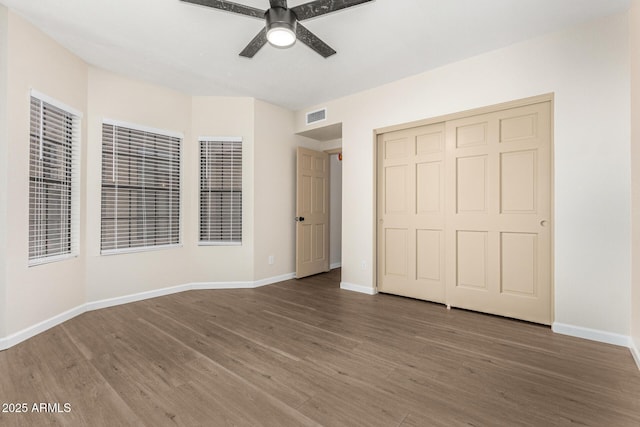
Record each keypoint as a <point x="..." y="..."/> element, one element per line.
<point x="140" y="188"/>
<point x="54" y="146"/>
<point x="221" y="191"/>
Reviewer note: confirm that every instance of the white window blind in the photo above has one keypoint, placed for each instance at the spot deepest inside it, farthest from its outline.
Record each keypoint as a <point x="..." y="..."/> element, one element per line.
<point x="54" y="167"/>
<point x="140" y="189"/>
<point x="220" y="191"/>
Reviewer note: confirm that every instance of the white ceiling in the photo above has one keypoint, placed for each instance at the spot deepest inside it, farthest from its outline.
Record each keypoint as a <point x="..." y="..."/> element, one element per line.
<point x="195" y="49"/>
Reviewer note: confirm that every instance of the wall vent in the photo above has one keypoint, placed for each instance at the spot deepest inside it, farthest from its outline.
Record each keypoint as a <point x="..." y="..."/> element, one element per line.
<point x="316" y="116"/>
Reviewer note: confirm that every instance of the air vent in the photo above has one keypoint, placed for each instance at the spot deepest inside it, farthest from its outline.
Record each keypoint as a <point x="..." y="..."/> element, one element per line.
<point x="316" y="116"/>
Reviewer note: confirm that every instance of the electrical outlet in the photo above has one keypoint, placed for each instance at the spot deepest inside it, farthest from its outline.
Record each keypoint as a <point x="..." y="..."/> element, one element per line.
<point x="363" y="265"/>
<point x="272" y="259"/>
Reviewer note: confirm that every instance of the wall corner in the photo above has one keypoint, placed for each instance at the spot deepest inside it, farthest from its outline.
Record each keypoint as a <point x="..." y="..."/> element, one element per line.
<point x="274" y="191"/>
<point x="4" y="144"/>
<point x="634" y="54"/>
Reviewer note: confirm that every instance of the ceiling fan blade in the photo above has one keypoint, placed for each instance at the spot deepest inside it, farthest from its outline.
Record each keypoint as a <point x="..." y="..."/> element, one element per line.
<point x="255" y="45"/>
<point x="320" y="7"/>
<point x="311" y="40"/>
<point x="278" y="3"/>
<point x="230" y="7"/>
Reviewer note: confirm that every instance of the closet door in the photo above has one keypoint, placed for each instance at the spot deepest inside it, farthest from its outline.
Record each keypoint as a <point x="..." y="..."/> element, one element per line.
<point x="498" y="217"/>
<point x="411" y="212"/>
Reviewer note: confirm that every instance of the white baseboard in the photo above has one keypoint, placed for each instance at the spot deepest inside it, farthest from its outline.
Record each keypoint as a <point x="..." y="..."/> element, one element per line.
<point x="591" y="334"/>
<point x="635" y="352"/>
<point x="335" y="265"/>
<point x="272" y="280"/>
<point x="357" y="288"/>
<point x="110" y="302"/>
<point x="34" y="330"/>
<point x="211" y="286"/>
<point x="242" y="285"/>
<point x="18" y="337"/>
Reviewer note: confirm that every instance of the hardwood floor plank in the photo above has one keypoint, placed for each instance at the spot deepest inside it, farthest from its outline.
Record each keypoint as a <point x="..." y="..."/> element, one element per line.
<point x="304" y="352"/>
<point x="49" y="369"/>
<point x="555" y="364"/>
<point x="246" y="401"/>
<point x="273" y="372"/>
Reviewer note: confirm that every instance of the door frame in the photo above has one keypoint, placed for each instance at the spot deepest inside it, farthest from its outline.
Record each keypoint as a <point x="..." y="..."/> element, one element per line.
<point x="548" y="97"/>
<point x="331" y="152"/>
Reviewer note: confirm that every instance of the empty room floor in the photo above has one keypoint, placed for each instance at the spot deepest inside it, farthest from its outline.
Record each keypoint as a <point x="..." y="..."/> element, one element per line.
<point x="307" y="353"/>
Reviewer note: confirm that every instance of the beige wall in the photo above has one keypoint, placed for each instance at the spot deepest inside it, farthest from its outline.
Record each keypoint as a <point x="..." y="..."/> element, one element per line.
<point x="219" y="116"/>
<point x="634" y="24"/>
<point x="118" y="98"/>
<point x="3" y="164"/>
<point x="115" y="97"/>
<point x="587" y="68"/>
<point x="30" y="295"/>
<point x="274" y="184"/>
<point x="34" y="294"/>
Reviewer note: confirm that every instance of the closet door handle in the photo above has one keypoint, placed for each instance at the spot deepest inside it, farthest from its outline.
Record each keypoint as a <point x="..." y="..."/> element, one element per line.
<point x="300" y="218"/>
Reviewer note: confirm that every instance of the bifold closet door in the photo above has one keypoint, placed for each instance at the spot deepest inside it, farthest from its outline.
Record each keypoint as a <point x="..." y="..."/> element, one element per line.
<point x="498" y="225"/>
<point x="411" y="212"/>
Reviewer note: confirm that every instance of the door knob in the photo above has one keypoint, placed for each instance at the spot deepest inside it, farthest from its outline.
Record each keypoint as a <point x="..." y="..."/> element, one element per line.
<point x="543" y="223"/>
<point x="300" y="218"/>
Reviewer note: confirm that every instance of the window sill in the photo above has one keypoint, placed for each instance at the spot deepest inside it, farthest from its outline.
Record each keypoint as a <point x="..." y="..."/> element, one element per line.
<point x="51" y="259"/>
<point x="219" y="243"/>
<point x="139" y="249"/>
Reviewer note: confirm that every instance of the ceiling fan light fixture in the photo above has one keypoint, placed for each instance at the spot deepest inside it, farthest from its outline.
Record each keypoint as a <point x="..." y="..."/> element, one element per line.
<point x="281" y="27"/>
<point x="281" y="37"/>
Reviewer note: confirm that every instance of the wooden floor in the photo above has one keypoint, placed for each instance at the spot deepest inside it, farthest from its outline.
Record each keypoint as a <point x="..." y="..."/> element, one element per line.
<point x="307" y="353"/>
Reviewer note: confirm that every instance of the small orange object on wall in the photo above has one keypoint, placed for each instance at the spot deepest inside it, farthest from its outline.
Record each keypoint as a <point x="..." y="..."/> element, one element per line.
<point x="339" y="157"/>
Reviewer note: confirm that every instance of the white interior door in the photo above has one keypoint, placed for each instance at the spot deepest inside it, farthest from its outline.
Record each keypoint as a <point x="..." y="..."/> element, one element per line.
<point x="312" y="213"/>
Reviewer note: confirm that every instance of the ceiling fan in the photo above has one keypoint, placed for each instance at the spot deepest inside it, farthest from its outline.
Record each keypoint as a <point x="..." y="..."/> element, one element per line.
<point x="282" y="27"/>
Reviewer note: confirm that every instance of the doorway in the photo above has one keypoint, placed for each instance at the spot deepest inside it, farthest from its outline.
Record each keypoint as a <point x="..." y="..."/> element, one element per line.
<point x="328" y="141"/>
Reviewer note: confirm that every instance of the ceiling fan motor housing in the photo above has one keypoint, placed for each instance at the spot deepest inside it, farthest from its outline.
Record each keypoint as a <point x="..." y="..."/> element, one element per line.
<point x="282" y="28"/>
<point x="281" y="20"/>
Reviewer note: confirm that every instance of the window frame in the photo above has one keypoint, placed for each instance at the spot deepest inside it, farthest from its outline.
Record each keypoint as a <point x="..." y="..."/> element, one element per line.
<point x="153" y="131"/>
<point x="220" y="139"/>
<point x="74" y="135"/>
